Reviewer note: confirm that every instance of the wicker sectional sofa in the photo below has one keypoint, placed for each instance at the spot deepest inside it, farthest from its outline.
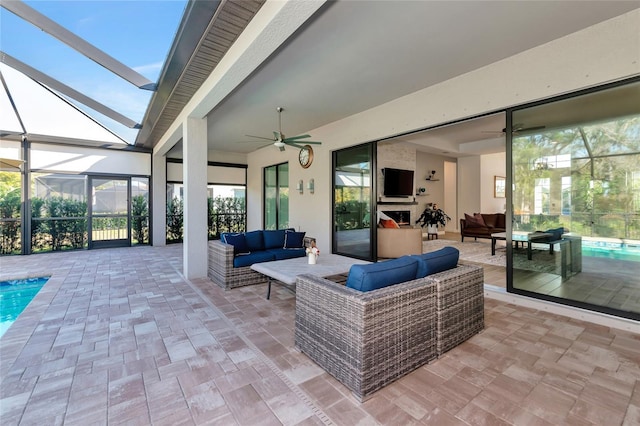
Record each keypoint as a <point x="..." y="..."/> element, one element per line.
<point x="369" y="339"/>
<point x="229" y="269"/>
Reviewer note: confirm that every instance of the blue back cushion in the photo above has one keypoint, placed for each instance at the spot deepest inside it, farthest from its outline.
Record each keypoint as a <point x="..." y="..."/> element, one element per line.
<point x="293" y="239"/>
<point x="436" y="261"/>
<point x="382" y="274"/>
<point x="239" y="243"/>
<point x="254" y="240"/>
<point x="273" y="238"/>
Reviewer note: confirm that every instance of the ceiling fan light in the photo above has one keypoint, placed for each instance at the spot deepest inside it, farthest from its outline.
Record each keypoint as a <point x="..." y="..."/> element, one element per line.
<point x="279" y="144"/>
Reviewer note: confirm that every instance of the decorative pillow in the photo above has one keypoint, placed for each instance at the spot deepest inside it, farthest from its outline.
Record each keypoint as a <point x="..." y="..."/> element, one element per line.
<point x="437" y="261"/>
<point x="239" y="243"/>
<point x="293" y="239"/>
<point x="389" y="223"/>
<point x="475" y="221"/>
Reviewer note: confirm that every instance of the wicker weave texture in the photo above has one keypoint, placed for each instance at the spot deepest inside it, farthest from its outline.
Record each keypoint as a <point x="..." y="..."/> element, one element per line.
<point x="221" y="269"/>
<point x="460" y="305"/>
<point x="222" y="272"/>
<point x="366" y="340"/>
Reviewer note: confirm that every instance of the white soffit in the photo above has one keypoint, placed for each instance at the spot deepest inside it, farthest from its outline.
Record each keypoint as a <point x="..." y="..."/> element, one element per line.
<point x="45" y="113"/>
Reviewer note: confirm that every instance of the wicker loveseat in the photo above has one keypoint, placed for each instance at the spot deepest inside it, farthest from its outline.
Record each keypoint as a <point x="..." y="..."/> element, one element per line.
<point x="367" y="340"/>
<point x="230" y="268"/>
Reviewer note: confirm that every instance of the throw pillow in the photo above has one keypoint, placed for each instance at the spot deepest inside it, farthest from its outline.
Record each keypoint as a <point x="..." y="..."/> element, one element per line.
<point x="239" y="243"/>
<point x="475" y="221"/>
<point x="556" y="232"/>
<point x="389" y="223"/>
<point x="293" y="240"/>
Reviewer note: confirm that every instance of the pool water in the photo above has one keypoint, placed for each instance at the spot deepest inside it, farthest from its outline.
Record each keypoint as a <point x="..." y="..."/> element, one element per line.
<point x="15" y="295"/>
<point x="618" y="251"/>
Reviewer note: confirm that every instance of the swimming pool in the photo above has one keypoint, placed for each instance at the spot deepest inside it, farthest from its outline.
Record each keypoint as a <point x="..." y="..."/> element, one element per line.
<point x="612" y="250"/>
<point x="15" y="295"/>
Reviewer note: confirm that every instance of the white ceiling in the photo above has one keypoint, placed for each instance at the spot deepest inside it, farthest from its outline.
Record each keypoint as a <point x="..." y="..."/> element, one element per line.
<point x="354" y="55"/>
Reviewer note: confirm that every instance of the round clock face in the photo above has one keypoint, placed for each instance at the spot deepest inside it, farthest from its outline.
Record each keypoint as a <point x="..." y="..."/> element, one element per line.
<point x="305" y="156"/>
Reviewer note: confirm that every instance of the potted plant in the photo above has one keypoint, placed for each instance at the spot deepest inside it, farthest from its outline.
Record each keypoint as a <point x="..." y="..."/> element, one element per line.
<point x="432" y="216"/>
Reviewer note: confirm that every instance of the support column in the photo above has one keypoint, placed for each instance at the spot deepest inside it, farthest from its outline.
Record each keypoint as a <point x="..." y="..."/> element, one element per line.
<point x="195" y="197"/>
<point x="159" y="199"/>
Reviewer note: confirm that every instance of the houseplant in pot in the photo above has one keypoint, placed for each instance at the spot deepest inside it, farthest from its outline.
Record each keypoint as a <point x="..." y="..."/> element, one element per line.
<point x="431" y="217"/>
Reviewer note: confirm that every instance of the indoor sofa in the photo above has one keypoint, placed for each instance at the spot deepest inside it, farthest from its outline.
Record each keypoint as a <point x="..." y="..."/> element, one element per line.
<point x="230" y="258"/>
<point x="368" y="339"/>
<point x="482" y="225"/>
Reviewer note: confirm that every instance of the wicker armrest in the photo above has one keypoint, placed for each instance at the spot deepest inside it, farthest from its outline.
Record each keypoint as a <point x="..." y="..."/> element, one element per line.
<point x="460" y="305"/>
<point x="366" y="340"/>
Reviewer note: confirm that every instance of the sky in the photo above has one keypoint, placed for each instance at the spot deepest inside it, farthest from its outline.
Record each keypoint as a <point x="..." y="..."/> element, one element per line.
<point x="137" y="33"/>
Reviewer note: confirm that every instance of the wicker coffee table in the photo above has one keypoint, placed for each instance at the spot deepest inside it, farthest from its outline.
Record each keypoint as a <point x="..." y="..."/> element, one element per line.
<point x="286" y="271"/>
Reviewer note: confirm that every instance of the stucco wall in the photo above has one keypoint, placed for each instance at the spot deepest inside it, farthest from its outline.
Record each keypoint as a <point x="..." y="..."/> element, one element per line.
<point x="602" y="53"/>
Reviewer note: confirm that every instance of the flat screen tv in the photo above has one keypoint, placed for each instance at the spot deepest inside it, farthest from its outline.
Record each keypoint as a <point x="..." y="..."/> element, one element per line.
<point x="397" y="182"/>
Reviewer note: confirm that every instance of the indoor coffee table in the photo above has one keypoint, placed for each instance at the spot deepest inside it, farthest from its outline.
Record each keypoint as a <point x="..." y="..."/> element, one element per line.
<point x="286" y="271"/>
<point x="519" y="237"/>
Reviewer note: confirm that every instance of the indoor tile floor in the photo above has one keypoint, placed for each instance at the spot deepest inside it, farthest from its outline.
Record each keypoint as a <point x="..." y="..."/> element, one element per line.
<point x="118" y="336"/>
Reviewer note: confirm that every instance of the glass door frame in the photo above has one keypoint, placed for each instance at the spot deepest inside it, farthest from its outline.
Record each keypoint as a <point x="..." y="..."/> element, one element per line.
<point x="373" y="240"/>
<point x="110" y="243"/>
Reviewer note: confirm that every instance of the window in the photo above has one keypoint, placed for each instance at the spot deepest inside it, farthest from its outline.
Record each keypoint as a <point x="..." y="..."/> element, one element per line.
<point x="541" y="200"/>
<point x="276" y="196"/>
<point x="566" y="195"/>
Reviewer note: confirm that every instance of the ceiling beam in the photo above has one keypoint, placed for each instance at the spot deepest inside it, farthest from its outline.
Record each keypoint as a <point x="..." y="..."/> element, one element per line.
<point x="31" y="15"/>
<point x="66" y="90"/>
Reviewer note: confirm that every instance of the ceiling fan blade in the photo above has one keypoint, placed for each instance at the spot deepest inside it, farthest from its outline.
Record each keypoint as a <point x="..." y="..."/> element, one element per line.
<point x="293" y="138"/>
<point x="260" y="137"/>
<point x="529" y="129"/>
<point x="297" y="145"/>
<point x="311" y="143"/>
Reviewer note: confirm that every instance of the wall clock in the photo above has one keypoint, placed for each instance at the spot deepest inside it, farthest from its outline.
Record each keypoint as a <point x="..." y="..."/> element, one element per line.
<point x="305" y="156"/>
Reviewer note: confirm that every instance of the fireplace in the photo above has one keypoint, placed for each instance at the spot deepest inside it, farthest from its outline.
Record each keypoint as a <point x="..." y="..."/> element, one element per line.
<point x="402" y="217"/>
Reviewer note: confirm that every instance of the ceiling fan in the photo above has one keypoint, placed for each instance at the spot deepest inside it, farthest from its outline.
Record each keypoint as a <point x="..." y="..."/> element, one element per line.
<point x="517" y="128"/>
<point x="280" y="140"/>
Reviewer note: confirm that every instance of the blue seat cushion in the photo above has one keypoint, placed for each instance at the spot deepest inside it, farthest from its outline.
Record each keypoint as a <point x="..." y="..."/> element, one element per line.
<point x="283" y="253"/>
<point x="293" y="240"/>
<point x="254" y="257"/>
<point x="382" y="274"/>
<point x="239" y="243"/>
<point x="436" y="261"/>
<point x="254" y="240"/>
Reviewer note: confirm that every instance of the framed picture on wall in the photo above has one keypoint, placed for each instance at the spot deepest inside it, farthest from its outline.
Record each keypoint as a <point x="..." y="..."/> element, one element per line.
<point x="499" y="186"/>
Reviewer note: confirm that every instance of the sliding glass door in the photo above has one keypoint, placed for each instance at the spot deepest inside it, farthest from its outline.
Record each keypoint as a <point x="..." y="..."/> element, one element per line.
<point x="576" y="166"/>
<point x="352" y="202"/>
